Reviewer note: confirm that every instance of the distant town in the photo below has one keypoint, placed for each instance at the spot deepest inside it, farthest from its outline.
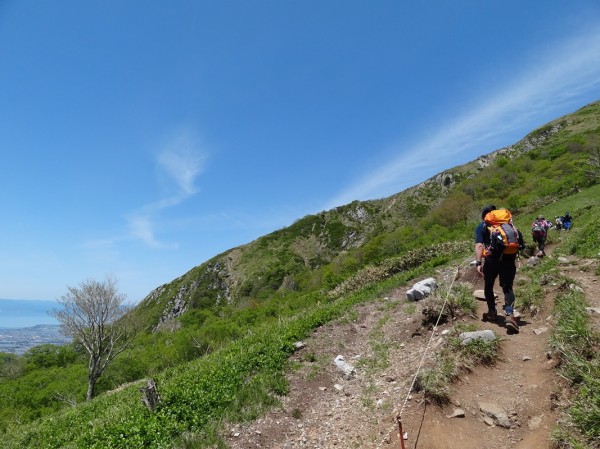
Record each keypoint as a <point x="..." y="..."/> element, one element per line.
<point x="18" y="341"/>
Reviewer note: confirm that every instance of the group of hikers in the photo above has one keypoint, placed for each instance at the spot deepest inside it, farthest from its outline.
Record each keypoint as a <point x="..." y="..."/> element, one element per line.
<point x="540" y="227"/>
<point x="564" y="222"/>
<point x="497" y="244"/>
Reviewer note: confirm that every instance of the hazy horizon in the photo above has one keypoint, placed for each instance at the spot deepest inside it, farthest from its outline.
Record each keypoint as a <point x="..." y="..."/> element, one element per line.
<point x="21" y="313"/>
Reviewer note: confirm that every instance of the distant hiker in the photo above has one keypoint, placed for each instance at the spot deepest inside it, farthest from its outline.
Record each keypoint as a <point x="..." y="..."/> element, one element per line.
<point x="539" y="233"/>
<point x="559" y="223"/>
<point x="566" y="221"/>
<point x="497" y="243"/>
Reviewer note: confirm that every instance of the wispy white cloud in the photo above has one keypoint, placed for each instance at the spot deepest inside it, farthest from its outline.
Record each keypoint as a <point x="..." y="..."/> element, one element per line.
<point x="560" y="76"/>
<point x="142" y="227"/>
<point x="182" y="162"/>
<point x="179" y="164"/>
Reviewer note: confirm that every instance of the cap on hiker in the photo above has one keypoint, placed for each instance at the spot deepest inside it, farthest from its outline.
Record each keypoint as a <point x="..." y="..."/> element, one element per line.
<point x="487" y="209"/>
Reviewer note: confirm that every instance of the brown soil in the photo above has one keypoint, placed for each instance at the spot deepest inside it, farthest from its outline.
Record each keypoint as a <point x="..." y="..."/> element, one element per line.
<point x="324" y="409"/>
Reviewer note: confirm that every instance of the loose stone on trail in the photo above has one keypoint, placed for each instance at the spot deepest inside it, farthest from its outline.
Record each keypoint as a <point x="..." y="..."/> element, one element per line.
<point x="458" y="413"/>
<point x="496" y="413"/>
<point x="344" y="366"/>
<point x="480" y="294"/>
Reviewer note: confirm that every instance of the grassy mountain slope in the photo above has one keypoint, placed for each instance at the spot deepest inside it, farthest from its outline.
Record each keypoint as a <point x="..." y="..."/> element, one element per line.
<point x="218" y="337"/>
<point x="319" y="251"/>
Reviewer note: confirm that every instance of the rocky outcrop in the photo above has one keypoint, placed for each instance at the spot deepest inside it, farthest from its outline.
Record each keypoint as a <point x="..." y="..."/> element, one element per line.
<point x="174" y="308"/>
<point x="538" y="137"/>
<point x="218" y="275"/>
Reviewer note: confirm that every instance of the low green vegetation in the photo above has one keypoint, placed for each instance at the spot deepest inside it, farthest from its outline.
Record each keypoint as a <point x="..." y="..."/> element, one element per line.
<point x="578" y="347"/>
<point x="575" y="340"/>
<point x="233" y="384"/>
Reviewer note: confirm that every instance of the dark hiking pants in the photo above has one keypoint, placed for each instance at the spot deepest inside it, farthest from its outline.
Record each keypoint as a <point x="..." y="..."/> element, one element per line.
<point x="505" y="269"/>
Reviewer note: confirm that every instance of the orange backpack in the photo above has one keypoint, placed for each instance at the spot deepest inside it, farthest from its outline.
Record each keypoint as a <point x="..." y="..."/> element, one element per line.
<point x="504" y="236"/>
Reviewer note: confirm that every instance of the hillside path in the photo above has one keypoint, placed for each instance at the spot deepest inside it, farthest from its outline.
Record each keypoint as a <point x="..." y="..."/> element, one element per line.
<point x="326" y="410"/>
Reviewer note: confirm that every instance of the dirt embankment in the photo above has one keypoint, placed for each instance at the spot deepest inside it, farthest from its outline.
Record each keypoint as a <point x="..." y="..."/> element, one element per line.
<point x="326" y="409"/>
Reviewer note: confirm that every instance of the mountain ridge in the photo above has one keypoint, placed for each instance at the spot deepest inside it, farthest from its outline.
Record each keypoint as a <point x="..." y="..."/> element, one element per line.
<point x="321" y="239"/>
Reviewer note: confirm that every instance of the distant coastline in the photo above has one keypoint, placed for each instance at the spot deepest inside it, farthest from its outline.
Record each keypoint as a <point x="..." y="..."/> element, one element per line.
<point x="19" y="341"/>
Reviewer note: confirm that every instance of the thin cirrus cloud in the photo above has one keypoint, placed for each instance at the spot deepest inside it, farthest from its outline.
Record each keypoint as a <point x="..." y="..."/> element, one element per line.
<point x="566" y="72"/>
<point x="178" y="166"/>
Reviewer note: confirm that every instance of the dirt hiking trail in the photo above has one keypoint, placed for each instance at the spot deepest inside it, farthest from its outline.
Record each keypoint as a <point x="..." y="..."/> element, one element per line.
<point x="326" y="409"/>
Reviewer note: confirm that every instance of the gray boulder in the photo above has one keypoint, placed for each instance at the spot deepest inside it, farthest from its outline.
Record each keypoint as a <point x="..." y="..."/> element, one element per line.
<point x="421" y="289"/>
<point x="468" y="337"/>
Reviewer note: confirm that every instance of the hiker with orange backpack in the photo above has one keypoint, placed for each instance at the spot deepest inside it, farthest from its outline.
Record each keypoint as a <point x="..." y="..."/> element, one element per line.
<point x="497" y="243"/>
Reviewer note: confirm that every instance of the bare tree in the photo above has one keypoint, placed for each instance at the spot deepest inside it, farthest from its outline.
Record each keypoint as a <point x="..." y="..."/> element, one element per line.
<point x="95" y="315"/>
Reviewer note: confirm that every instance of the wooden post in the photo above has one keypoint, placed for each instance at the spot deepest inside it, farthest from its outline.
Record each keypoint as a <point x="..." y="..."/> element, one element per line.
<point x="400" y="431"/>
<point x="150" y="396"/>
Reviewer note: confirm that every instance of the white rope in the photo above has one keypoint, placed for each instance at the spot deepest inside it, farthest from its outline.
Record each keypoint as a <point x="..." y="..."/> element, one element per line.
<point x="414" y="380"/>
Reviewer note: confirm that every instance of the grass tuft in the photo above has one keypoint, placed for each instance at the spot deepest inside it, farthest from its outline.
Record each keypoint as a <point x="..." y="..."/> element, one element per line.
<point x="454" y="359"/>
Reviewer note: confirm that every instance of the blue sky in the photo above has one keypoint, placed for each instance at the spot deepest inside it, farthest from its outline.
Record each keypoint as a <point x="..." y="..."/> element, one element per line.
<point x="141" y="138"/>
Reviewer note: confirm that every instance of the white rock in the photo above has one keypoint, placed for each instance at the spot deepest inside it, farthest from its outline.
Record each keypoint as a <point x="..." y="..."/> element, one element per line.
<point x="467" y="337"/>
<point x="345" y="367"/>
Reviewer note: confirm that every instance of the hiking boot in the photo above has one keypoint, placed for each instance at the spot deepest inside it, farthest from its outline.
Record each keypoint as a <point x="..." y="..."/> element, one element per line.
<point x="511" y="323"/>
<point x="492" y="317"/>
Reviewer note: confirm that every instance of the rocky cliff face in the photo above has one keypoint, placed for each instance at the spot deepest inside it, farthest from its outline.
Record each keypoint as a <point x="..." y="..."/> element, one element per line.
<point x="211" y="282"/>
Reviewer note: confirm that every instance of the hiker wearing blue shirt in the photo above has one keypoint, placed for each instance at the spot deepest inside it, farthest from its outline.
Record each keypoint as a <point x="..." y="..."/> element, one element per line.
<point x="496" y="265"/>
<point x="566" y="221"/>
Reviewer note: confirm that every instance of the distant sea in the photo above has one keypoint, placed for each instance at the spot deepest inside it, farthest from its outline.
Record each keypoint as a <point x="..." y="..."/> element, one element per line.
<point x="25" y="323"/>
<point x="18" y="313"/>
